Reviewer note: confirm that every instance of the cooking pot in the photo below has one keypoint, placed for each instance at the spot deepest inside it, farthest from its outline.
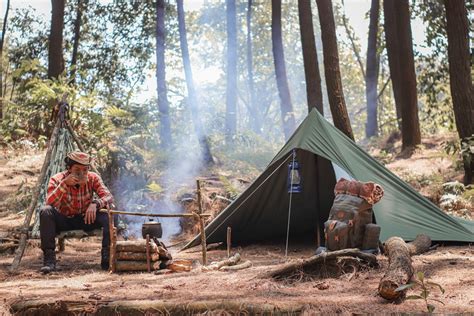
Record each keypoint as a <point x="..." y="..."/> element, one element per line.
<point x="152" y="228"/>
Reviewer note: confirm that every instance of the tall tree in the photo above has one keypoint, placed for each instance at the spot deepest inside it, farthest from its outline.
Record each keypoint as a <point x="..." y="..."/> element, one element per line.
<point x="331" y="68"/>
<point x="287" y="115"/>
<point x="231" y="91"/>
<point x="460" y="77"/>
<point x="371" y="128"/>
<point x="81" y="6"/>
<point x="2" y="40"/>
<point x="314" y="93"/>
<point x="163" y="104"/>
<point x="192" y="97"/>
<point x="399" y="37"/>
<point x="55" y="54"/>
<point x="253" y="107"/>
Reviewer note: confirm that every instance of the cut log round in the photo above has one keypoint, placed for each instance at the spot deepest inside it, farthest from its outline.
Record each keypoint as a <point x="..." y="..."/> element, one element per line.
<point x="136" y="256"/>
<point x="122" y="265"/>
<point x="400" y="269"/>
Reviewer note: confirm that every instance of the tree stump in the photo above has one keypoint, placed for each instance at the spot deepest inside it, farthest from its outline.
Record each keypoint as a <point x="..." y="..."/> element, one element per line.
<point x="400" y="269"/>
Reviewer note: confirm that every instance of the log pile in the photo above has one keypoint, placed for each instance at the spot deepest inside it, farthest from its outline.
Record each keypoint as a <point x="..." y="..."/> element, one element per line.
<point x="141" y="255"/>
<point x="231" y="264"/>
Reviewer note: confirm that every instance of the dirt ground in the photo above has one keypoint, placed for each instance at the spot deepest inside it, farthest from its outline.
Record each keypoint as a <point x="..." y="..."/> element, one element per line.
<point x="82" y="287"/>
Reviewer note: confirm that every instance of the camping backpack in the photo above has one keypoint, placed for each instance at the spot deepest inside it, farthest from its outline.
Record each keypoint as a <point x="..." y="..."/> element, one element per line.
<point x="350" y="218"/>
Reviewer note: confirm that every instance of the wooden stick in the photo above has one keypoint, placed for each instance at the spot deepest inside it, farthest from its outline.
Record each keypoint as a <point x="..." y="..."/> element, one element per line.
<point x="154" y="215"/>
<point x="201" y="224"/>
<point x="112" y="242"/>
<point x="34" y="200"/>
<point x="229" y="243"/>
<point x="148" y="252"/>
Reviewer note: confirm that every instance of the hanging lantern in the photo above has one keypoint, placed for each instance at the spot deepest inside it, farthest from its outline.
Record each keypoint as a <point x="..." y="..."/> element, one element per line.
<point x="295" y="181"/>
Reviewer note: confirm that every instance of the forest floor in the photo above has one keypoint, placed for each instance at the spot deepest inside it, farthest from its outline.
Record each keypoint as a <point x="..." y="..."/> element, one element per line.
<point x="82" y="286"/>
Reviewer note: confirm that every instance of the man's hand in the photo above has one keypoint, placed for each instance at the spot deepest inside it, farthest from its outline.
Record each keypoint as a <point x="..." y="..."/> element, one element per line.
<point x="71" y="180"/>
<point x="89" y="217"/>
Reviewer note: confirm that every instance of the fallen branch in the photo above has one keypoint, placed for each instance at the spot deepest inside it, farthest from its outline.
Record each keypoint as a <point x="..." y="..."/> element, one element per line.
<point x="400" y="269"/>
<point x="243" y="265"/>
<point x="322" y="258"/>
<point x="219" y="264"/>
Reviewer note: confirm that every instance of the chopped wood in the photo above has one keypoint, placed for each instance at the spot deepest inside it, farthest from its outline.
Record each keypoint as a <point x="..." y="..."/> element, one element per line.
<point x="148" y="260"/>
<point x="7" y="246"/>
<point x="227" y="262"/>
<point x="243" y="265"/>
<point x="135" y="246"/>
<point x="322" y="258"/>
<point x="136" y="256"/>
<point x="400" y="269"/>
<point x="180" y="265"/>
<point x="122" y="265"/>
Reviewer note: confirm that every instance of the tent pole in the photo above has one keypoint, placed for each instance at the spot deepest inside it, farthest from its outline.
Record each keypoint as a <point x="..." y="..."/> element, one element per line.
<point x="24" y="230"/>
<point x="289" y="204"/>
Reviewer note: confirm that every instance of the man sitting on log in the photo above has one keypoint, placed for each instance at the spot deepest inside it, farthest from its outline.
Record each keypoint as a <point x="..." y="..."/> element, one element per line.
<point x="70" y="205"/>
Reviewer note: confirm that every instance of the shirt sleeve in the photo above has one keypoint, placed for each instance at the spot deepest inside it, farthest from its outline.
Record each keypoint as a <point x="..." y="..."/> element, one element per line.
<point x="57" y="192"/>
<point x="105" y="197"/>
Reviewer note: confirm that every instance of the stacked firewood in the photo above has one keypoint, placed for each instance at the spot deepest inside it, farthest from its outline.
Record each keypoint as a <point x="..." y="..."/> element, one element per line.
<point x="141" y="255"/>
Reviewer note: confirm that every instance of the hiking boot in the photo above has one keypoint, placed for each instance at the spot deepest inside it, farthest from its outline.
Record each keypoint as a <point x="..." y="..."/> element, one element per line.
<point x="49" y="261"/>
<point x="105" y="258"/>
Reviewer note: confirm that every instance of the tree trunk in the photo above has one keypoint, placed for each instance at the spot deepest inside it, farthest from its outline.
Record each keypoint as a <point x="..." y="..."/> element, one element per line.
<point x="231" y="90"/>
<point x="400" y="269"/>
<point x="192" y="97"/>
<point x="255" y="117"/>
<point x="460" y="76"/>
<point x="314" y="93"/>
<point x="163" y="104"/>
<point x="371" y="128"/>
<point x="82" y="5"/>
<point x="4" y="29"/>
<point x="400" y="38"/>
<point x="411" y="135"/>
<point x="391" y="41"/>
<point x="331" y="68"/>
<point x="287" y="115"/>
<point x="55" y="53"/>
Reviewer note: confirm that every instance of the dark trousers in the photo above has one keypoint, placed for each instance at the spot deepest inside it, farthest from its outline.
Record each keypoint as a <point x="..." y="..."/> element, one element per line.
<point x="52" y="223"/>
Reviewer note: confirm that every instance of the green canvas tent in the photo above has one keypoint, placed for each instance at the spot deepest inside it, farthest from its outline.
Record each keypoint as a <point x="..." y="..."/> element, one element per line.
<point x="325" y="154"/>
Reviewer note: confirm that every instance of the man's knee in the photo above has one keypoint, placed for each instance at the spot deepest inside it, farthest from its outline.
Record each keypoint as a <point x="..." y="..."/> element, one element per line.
<point x="47" y="211"/>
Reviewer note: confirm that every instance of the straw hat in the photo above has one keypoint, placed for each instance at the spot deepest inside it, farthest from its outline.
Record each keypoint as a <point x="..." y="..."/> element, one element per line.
<point x="80" y="158"/>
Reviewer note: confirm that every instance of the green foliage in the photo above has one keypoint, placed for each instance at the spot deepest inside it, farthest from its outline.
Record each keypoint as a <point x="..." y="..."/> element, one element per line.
<point x="426" y="288"/>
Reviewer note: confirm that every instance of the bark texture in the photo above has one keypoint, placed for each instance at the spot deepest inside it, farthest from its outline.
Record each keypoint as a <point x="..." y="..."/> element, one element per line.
<point x="462" y="90"/>
<point x="192" y="96"/>
<point x="398" y="32"/>
<point x="287" y="115"/>
<point x="231" y="88"/>
<point x="82" y="5"/>
<point x="372" y="71"/>
<point x="400" y="269"/>
<point x="331" y="68"/>
<point x="55" y="52"/>
<point x="314" y="92"/>
<point x="163" y="104"/>
<point x="2" y="41"/>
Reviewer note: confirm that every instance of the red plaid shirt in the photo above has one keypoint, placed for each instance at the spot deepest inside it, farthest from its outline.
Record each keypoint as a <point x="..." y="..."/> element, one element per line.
<point x="69" y="200"/>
